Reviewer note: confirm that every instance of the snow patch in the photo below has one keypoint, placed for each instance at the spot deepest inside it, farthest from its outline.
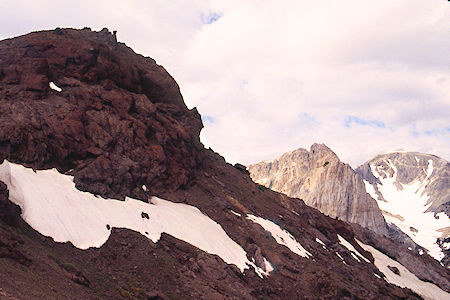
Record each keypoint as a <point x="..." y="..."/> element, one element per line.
<point x="53" y="86"/>
<point x="235" y="213"/>
<point x="406" y="278"/>
<point x="338" y="255"/>
<point x="410" y="203"/>
<point x="370" y="190"/>
<point x="268" y="265"/>
<point x="283" y="237"/>
<point x="54" y="207"/>
<point x="144" y="188"/>
<point x="322" y="243"/>
<point x="352" y="249"/>
<point x="355" y="257"/>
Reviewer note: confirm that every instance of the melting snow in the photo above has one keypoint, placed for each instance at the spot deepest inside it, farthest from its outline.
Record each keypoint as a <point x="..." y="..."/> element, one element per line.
<point x="354" y="256"/>
<point x="338" y="255"/>
<point x="53" y="86"/>
<point x="322" y="243"/>
<point x="235" y="213"/>
<point x="282" y="236"/>
<point x="406" y="278"/>
<point x="370" y="190"/>
<point x="54" y="207"/>
<point x="352" y="249"/>
<point x="410" y="203"/>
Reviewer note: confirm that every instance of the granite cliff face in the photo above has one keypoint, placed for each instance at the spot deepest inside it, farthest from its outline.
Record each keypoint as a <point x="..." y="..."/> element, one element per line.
<point x="114" y="123"/>
<point x="323" y="182"/>
<point x="413" y="192"/>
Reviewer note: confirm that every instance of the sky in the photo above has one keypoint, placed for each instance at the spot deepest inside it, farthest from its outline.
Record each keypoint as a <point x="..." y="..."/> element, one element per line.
<point x="273" y="76"/>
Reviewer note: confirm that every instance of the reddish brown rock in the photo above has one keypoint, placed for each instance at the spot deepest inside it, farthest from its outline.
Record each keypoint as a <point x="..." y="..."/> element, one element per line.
<point x="120" y="121"/>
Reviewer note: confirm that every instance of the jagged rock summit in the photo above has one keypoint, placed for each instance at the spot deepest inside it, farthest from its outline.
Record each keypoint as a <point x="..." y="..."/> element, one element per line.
<point x="322" y="181"/>
<point x="76" y="107"/>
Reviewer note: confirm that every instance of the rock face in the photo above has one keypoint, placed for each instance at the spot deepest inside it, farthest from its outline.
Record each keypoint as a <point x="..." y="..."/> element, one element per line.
<point x="413" y="191"/>
<point x="78" y="101"/>
<point x="322" y="181"/>
<point x="119" y="122"/>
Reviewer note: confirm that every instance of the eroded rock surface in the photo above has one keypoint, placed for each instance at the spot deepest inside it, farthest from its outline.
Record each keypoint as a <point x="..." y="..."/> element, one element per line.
<point x="320" y="179"/>
<point x="119" y="120"/>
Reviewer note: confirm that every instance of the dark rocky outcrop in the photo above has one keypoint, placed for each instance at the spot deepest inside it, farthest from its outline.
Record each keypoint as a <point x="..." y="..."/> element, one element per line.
<point x="119" y="122"/>
<point x="9" y="212"/>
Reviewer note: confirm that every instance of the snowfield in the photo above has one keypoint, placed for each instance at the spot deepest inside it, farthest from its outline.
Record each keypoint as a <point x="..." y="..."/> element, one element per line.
<point x="283" y="237"/>
<point x="406" y="206"/>
<point x="54" y="207"/>
<point x="406" y="278"/>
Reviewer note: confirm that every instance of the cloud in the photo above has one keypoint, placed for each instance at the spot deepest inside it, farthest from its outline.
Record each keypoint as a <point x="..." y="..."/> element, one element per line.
<point x="272" y="76"/>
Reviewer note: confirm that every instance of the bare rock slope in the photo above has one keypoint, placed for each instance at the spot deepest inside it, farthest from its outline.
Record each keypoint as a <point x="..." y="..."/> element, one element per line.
<point x="320" y="179"/>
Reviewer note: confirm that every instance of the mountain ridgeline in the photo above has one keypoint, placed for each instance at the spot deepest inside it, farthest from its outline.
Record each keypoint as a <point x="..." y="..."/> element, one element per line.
<point x="106" y="193"/>
<point x="403" y="195"/>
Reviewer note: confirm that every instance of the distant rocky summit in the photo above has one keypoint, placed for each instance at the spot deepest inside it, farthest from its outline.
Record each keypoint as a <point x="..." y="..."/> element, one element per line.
<point x="413" y="192"/>
<point x="409" y="190"/>
<point x="324" y="182"/>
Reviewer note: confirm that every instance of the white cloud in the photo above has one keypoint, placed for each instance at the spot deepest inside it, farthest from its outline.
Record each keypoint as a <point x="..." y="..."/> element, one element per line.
<point x="278" y="75"/>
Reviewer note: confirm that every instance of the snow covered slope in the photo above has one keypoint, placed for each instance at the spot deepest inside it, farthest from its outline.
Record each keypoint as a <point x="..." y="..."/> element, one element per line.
<point x="404" y="278"/>
<point x="282" y="236"/>
<point x="54" y="207"/>
<point x="404" y="185"/>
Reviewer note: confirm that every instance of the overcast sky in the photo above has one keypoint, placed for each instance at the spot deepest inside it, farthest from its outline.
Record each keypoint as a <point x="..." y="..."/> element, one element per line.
<point x="272" y="76"/>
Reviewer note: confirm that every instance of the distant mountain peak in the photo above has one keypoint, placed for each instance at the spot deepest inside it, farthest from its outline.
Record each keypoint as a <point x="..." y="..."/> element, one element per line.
<point x="412" y="190"/>
<point x="320" y="179"/>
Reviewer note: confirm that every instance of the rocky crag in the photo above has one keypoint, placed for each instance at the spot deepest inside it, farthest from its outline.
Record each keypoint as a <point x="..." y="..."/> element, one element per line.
<point x="82" y="103"/>
<point x="320" y="179"/>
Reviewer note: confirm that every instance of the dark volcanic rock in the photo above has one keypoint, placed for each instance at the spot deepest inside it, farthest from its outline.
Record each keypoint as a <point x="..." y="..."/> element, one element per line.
<point x="9" y="212"/>
<point x="119" y="122"/>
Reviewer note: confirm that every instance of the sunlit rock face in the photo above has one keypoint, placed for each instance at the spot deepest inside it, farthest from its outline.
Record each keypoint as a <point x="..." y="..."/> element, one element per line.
<point x="413" y="192"/>
<point x="320" y="179"/>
